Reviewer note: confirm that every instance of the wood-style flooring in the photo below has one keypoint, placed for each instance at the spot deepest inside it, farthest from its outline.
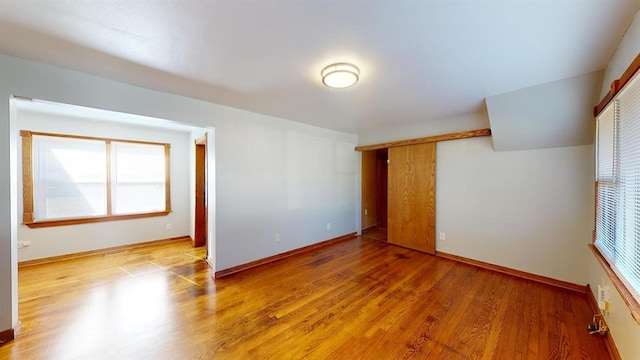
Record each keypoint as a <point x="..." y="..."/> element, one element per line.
<point x="357" y="299"/>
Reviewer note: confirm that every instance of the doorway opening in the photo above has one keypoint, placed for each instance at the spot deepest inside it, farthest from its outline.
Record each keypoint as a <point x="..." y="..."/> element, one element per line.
<point x="374" y="194"/>
<point x="51" y="117"/>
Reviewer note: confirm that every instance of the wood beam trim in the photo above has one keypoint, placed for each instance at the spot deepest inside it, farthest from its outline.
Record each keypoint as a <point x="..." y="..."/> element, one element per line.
<point x="517" y="273"/>
<point x="617" y="85"/>
<point x="429" y="139"/>
<point x="628" y="74"/>
<point x="284" y="255"/>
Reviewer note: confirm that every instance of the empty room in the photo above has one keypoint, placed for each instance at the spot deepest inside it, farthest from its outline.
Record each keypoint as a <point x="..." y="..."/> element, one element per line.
<point x="306" y="179"/>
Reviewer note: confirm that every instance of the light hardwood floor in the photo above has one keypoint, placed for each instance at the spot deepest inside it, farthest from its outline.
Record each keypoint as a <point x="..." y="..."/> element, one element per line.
<point x="358" y="299"/>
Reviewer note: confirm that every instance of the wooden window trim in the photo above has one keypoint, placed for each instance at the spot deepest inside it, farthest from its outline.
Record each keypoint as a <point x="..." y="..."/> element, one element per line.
<point x="97" y="219"/>
<point x="627" y="297"/>
<point x="27" y="183"/>
<point x="617" y="85"/>
<point x="27" y="177"/>
<point x="632" y="303"/>
<point x="24" y="133"/>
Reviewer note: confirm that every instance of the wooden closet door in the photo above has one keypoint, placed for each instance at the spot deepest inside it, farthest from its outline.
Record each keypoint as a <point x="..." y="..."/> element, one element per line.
<point x="412" y="197"/>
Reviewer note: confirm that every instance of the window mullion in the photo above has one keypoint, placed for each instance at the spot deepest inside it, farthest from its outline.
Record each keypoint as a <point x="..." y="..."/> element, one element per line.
<point x="109" y="177"/>
<point x="167" y="177"/>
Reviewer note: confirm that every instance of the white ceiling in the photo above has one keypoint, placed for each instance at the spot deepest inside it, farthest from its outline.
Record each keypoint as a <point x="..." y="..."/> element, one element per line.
<point x="419" y="60"/>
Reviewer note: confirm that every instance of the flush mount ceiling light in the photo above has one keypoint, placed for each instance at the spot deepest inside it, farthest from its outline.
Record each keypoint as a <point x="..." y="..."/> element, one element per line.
<point x="340" y="75"/>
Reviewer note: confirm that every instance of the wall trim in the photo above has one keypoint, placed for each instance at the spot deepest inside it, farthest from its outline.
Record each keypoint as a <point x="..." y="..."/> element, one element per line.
<point x="284" y="255"/>
<point x="6" y="336"/>
<point x="104" y="251"/>
<point x="610" y="344"/>
<point x="429" y="139"/>
<point x="517" y="273"/>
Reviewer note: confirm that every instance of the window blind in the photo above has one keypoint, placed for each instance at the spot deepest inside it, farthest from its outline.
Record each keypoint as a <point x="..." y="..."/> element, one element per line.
<point x="69" y="177"/>
<point x="618" y="185"/>
<point x="627" y="259"/>
<point x="606" y="154"/>
<point x="138" y="177"/>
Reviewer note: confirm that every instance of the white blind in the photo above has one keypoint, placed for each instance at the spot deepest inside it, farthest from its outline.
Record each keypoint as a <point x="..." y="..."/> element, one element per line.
<point x="606" y="177"/>
<point x="69" y="178"/>
<point x="606" y="129"/>
<point x="618" y="177"/>
<point x="138" y="181"/>
<point x="627" y="259"/>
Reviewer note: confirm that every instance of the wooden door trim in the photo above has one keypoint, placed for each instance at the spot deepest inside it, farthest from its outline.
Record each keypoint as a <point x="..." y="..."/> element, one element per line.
<point x="201" y="212"/>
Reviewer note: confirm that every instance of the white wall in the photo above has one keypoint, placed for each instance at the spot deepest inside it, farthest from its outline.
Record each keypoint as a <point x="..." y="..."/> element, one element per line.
<point x="528" y="210"/>
<point x="554" y="114"/>
<point x="289" y="181"/>
<point x="494" y="206"/>
<point x="60" y="240"/>
<point x="263" y="168"/>
<point x="624" y="329"/>
<point x="626" y="51"/>
<point x="426" y="128"/>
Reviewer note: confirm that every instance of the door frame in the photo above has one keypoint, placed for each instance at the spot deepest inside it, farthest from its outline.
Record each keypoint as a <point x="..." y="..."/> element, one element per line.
<point x="201" y="193"/>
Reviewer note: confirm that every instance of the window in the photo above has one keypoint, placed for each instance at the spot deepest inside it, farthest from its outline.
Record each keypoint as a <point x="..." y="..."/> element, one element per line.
<point x="75" y="179"/>
<point x="138" y="178"/>
<point x="617" y="235"/>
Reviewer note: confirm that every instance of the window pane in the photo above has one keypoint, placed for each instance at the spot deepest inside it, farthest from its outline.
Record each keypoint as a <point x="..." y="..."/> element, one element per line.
<point x="605" y="143"/>
<point x="69" y="178"/>
<point x="138" y="178"/>
<point x="606" y="176"/>
<point x="606" y="219"/>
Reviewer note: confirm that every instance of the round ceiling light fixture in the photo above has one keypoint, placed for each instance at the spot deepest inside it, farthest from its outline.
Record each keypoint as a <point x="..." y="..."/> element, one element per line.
<point x="340" y="75"/>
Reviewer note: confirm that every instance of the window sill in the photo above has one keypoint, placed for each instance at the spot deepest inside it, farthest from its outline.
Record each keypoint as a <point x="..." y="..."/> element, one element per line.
<point x="49" y="223"/>
<point x="632" y="303"/>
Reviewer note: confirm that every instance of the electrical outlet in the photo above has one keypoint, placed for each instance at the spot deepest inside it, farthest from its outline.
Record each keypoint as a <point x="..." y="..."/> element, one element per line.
<point x="441" y="236"/>
<point x="604" y="298"/>
<point x="328" y="226"/>
<point x="168" y="226"/>
<point x="276" y="237"/>
<point x="366" y="212"/>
